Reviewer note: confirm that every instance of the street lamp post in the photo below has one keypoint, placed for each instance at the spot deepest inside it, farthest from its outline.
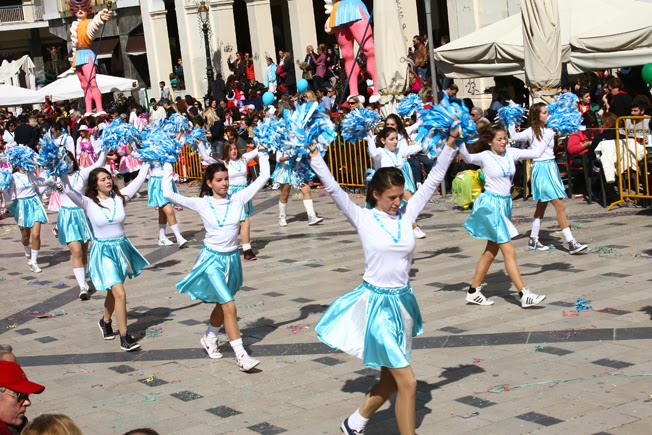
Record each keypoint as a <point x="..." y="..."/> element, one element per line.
<point x="202" y="9"/>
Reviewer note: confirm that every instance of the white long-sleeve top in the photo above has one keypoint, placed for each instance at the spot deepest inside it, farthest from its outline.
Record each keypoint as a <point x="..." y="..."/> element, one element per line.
<point x="387" y="263"/>
<point x="66" y="141"/>
<point x="78" y="180"/>
<point x="499" y="170"/>
<point x="547" y="138"/>
<point x="238" y="168"/>
<point x="25" y="185"/>
<point x="205" y="155"/>
<point x="107" y="222"/>
<point x="383" y="158"/>
<point x="155" y="170"/>
<point x="221" y="217"/>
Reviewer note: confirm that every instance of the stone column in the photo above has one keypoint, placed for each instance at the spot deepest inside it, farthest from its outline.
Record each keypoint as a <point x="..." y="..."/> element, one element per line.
<point x="36" y="53"/>
<point x="302" y="24"/>
<point x="191" y="42"/>
<point x="261" y="34"/>
<point x="223" y="37"/>
<point x="155" y="29"/>
<point x="50" y="11"/>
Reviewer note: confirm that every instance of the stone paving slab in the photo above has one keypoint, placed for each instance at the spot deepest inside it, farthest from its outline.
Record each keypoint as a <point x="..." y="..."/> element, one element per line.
<point x="500" y="369"/>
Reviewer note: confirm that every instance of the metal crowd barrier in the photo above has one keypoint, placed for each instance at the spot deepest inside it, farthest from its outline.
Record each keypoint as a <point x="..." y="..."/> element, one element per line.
<point x="632" y="160"/>
<point x="189" y="165"/>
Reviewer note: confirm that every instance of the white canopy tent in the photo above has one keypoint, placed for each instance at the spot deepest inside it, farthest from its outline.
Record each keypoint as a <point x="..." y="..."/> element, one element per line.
<point x="10" y="72"/>
<point x="70" y="88"/>
<point x="594" y="35"/>
<point x="11" y="96"/>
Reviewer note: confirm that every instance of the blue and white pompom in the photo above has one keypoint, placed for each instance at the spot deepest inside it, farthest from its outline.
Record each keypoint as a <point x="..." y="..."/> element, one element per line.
<point x="159" y="147"/>
<point x="270" y="134"/>
<point x="308" y="125"/>
<point x="512" y="114"/>
<point x="119" y="133"/>
<point x="410" y="104"/>
<point x="178" y="124"/>
<point x="22" y="157"/>
<point x="5" y="179"/>
<point x="301" y="173"/>
<point x="564" y="115"/>
<point x="358" y="123"/>
<point x="196" y="136"/>
<point x="52" y="158"/>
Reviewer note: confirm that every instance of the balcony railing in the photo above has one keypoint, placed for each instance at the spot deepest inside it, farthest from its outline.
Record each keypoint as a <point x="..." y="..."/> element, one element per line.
<point x="25" y="13"/>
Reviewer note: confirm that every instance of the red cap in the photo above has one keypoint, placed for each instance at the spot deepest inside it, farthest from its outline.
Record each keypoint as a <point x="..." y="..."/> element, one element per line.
<point x="14" y="378"/>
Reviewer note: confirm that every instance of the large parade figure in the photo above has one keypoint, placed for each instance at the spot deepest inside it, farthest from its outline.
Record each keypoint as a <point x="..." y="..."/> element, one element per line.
<point x="349" y="21"/>
<point x="82" y="33"/>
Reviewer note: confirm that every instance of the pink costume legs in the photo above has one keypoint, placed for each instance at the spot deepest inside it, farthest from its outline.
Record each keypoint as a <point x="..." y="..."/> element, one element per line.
<point x="92" y="93"/>
<point x="345" y="36"/>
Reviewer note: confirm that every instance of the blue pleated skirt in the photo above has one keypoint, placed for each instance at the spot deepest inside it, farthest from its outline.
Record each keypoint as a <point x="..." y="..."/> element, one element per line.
<point x="26" y="211"/>
<point x="215" y="278"/>
<point x="73" y="226"/>
<point x="409" y="178"/>
<point x="348" y="11"/>
<point x="374" y="324"/>
<point x="282" y="173"/>
<point x="155" y="196"/>
<point x="491" y="218"/>
<point x="112" y="261"/>
<point x="546" y="181"/>
<point x="84" y="56"/>
<point x="248" y="209"/>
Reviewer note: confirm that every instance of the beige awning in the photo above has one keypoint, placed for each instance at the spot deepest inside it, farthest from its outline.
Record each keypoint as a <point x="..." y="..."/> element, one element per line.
<point x="136" y="45"/>
<point x="107" y="47"/>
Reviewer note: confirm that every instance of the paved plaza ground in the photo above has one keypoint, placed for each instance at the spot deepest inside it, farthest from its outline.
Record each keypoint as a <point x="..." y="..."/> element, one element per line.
<point x="498" y="369"/>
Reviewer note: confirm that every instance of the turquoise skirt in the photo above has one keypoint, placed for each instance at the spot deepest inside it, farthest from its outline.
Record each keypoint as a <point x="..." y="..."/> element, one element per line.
<point x="27" y="211"/>
<point x="112" y="261"/>
<point x="155" y="196"/>
<point x="374" y="324"/>
<point x="409" y="178"/>
<point x="348" y="11"/>
<point x="546" y="181"/>
<point x="282" y="173"/>
<point x="84" y="56"/>
<point x="73" y="226"/>
<point x="215" y="278"/>
<point x="491" y="218"/>
<point x="248" y="208"/>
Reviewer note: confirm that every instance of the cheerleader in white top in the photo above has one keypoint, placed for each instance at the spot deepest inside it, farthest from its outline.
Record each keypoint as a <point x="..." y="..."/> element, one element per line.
<point x="283" y="176"/>
<point x="112" y="258"/>
<point x="546" y="181"/>
<point x="385" y="153"/>
<point x="166" y="215"/>
<point x="236" y="163"/>
<point x="217" y="274"/>
<point x="490" y="219"/>
<point x="376" y="321"/>
<point x="73" y="228"/>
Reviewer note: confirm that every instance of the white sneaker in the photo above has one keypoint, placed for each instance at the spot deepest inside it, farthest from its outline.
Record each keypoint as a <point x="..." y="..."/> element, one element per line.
<point x="165" y="242"/>
<point x="575" y="247"/>
<point x="478" y="298"/>
<point x="529" y="299"/>
<point x="246" y="363"/>
<point x="282" y="222"/>
<point x="314" y="219"/>
<point x="534" y="245"/>
<point x="34" y="267"/>
<point x="211" y="347"/>
<point x="181" y="242"/>
<point x="29" y="259"/>
<point x="83" y="293"/>
<point x="276" y="186"/>
<point x="418" y="233"/>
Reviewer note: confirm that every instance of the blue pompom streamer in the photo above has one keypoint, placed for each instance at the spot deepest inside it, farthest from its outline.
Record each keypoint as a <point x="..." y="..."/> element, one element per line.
<point x="301" y="172"/>
<point x="177" y="124"/>
<point x="512" y="114"/>
<point x="270" y="134"/>
<point x="410" y="104"/>
<point x="197" y="136"/>
<point x="159" y="147"/>
<point x="5" y="179"/>
<point x="119" y="133"/>
<point x="582" y="305"/>
<point x="53" y="158"/>
<point x="564" y="115"/>
<point x="22" y="157"/>
<point x="308" y="125"/>
<point x="357" y="123"/>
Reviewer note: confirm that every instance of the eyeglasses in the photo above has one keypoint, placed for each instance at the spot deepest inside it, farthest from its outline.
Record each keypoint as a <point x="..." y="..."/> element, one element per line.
<point x="352" y="102"/>
<point x="20" y="397"/>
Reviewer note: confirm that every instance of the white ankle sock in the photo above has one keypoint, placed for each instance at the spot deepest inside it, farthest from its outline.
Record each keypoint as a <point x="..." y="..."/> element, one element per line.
<point x="281" y="209"/>
<point x="568" y="235"/>
<point x="238" y="349"/>
<point x="307" y="203"/>
<point x="161" y="231"/>
<point x="357" y="422"/>
<point x="212" y="331"/>
<point x="246" y="246"/>
<point x="175" y="230"/>
<point x="536" y="225"/>
<point x="28" y="251"/>
<point x="80" y="276"/>
<point x="34" y="256"/>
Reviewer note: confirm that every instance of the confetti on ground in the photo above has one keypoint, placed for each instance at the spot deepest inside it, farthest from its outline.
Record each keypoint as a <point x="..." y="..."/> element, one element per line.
<point x="436" y="201"/>
<point x="51" y="315"/>
<point x="150" y="379"/>
<point x="154" y="331"/>
<point x="569" y="332"/>
<point x="338" y="254"/>
<point x="576" y="227"/>
<point x="39" y="283"/>
<point x="471" y="415"/>
<point x="14" y="326"/>
<point x="150" y="399"/>
<point x="476" y="360"/>
<point x="581" y="305"/>
<point x="566" y="313"/>
<point x="60" y="285"/>
<point x="1" y="279"/>
<point x="295" y="329"/>
<point x="538" y="349"/>
<point x="604" y="251"/>
<point x="96" y="386"/>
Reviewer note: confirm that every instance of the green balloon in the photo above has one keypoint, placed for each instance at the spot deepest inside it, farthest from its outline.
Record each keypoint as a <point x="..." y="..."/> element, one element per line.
<point x="646" y="73"/>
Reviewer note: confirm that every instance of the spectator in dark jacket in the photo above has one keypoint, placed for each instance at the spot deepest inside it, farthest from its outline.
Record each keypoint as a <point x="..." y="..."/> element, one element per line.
<point x="290" y="75"/>
<point x="25" y="134"/>
<point x="218" y="88"/>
